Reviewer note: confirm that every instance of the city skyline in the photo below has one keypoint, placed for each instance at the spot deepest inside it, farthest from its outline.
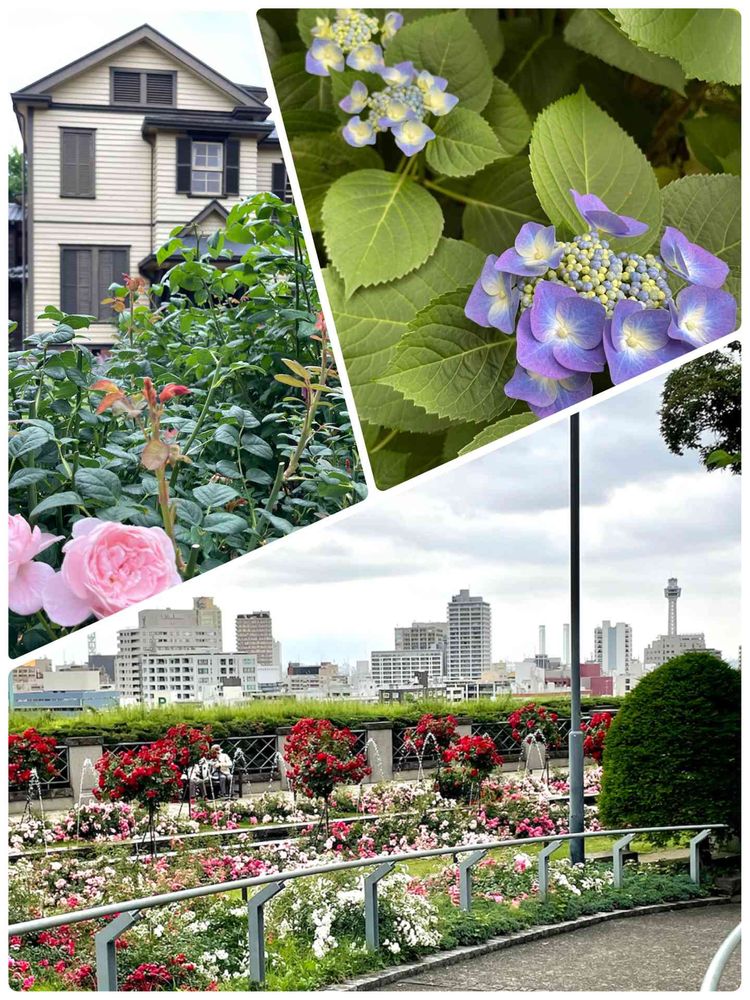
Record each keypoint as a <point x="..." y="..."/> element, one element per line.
<point x="502" y="531"/>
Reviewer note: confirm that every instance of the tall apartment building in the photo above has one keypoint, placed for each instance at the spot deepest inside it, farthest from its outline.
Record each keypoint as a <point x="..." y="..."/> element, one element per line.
<point x="422" y="635"/>
<point x="469" y="649"/>
<point x="165" y="632"/>
<point x="392" y="668"/>
<point x="254" y="633"/>
<point x="613" y="647"/>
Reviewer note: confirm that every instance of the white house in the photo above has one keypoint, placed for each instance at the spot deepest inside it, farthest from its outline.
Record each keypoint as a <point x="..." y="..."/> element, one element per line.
<point x="123" y="145"/>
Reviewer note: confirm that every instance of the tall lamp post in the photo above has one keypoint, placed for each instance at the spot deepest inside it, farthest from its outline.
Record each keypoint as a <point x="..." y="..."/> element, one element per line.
<point x="575" y="738"/>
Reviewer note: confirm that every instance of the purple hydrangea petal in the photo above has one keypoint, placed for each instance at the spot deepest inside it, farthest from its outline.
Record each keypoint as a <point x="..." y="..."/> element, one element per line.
<point x="439" y="103"/>
<point x="412" y="136"/>
<point x="690" y="261"/>
<point x="536" y="390"/>
<point x="637" y="340"/>
<point x="398" y="75"/>
<point x="356" y="100"/>
<point x="570" y="390"/>
<point x="534" y="252"/>
<point x="323" y="56"/>
<point x="571" y="325"/>
<point x="534" y="356"/>
<point x="359" y="133"/>
<point x="367" y="57"/>
<point x="700" y="315"/>
<point x="596" y="213"/>
<point x="494" y="299"/>
<point x="391" y="24"/>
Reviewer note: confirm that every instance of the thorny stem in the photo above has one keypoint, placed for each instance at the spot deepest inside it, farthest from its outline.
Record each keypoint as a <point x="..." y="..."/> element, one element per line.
<point x="313" y="400"/>
<point x="198" y="425"/>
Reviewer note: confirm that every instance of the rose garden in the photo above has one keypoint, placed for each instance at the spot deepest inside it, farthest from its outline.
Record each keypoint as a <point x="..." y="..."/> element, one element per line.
<point x="163" y="815"/>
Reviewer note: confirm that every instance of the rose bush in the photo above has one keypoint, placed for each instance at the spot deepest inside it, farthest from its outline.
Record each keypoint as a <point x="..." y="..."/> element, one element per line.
<point x="467" y="761"/>
<point x="215" y="423"/>
<point x="535" y="722"/>
<point x="318" y="756"/>
<point x="595" y="732"/>
<point x="29" y="751"/>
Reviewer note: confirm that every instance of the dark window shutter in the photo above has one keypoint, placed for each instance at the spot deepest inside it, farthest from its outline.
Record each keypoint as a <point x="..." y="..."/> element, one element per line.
<point x="183" y="165"/>
<point x="77" y="163"/>
<point x="160" y="89"/>
<point x="68" y="165"/>
<point x="113" y="263"/>
<point x="76" y="282"/>
<point x="232" y="167"/>
<point x="126" y="87"/>
<point x="278" y="180"/>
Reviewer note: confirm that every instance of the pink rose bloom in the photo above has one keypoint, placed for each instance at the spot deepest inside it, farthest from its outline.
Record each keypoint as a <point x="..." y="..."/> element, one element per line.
<point x="27" y="579"/>
<point x="108" y="567"/>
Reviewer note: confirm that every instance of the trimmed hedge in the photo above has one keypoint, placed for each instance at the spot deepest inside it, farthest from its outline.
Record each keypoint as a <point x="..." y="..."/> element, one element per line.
<point x="139" y="723"/>
<point x="672" y="754"/>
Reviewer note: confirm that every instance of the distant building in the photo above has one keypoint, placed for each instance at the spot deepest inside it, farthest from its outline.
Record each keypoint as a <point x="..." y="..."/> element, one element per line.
<point x="447" y="690"/>
<point x="65" y="701"/>
<point x="208" y="678"/>
<point x="17" y="271"/>
<point x="422" y="635"/>
<point x="30" y="676"/>
<point x="104" y="663"/>
<point x="254" y="634"/>
<point x="394" y="668"/>
<point x="666" y="647"/>
<point x="613" y="646"/>
<point x="469" y="649"/>
<point x="165" y="632"/>
<point x="317" y="680"/>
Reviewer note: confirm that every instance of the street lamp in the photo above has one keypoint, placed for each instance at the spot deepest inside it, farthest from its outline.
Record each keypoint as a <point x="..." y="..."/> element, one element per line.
<point x="575" y="738"/>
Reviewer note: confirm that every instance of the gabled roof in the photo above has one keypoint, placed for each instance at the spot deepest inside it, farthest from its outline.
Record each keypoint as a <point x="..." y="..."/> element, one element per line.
<point x="213" y="206"/>
<point x="144" y="33"/>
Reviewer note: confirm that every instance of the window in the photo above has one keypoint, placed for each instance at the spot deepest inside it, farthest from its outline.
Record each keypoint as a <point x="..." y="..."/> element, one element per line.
<point x="135" y="86"/>
<point x="85" y="276"/>
<point x="280" y="182"/>
<point x="207" y="173"/>
<point x="77" y="162"/>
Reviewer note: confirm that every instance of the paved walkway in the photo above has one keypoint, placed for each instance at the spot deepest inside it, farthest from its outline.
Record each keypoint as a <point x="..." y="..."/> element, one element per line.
<point x="661" y="951"/>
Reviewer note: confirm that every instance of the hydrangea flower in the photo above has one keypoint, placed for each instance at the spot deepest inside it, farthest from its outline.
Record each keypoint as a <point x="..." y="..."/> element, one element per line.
<point x="348" y="40"/>
<point x="401" y="106"/>
<point x="578" y="306"/>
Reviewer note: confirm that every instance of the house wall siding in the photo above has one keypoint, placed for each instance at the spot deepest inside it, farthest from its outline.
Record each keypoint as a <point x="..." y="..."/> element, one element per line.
<point x="92" y="86"/>
<point x="266" y="158"/>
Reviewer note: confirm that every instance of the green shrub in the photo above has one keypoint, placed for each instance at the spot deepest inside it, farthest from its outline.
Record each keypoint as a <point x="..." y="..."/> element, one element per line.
<point x="673" y="751"/>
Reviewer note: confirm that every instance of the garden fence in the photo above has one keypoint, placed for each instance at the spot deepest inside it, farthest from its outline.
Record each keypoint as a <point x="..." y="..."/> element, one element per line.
<point x="128" y="912"/>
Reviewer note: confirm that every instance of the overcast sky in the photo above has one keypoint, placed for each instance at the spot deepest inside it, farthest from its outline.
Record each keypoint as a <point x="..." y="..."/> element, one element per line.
<point x="48" y="37"/>
<point x="498" y="525"/>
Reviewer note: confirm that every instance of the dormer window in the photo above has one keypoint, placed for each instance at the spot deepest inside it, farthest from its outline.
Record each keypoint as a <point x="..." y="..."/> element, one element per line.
<point x="208" y="168"/>
<point x="142" y="87"/>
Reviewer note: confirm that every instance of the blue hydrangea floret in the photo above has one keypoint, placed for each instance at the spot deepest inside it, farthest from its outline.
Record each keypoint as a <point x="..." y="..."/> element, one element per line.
<point x="578" y="307"/>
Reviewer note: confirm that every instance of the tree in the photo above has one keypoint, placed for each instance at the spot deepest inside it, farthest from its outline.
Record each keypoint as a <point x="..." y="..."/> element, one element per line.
<point x="672" y="753"/>
<point x="701" y="409"/>
<point x="16" y="174"/>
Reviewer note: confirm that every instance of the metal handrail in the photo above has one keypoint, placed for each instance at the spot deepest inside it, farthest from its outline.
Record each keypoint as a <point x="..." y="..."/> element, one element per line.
<point x="718" y="963"/>
<point x="128" y="911"/>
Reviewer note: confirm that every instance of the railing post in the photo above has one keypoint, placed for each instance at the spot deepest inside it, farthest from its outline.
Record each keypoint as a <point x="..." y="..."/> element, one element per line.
<point x="256" y="935"/>
<point x="372" y="930"/>
<point x="106" y="950"/>
<point x="464" y="878"/>
<point x="618" y="849"/>
<point x="543" y="876"/>
<point x="695" y="857"/>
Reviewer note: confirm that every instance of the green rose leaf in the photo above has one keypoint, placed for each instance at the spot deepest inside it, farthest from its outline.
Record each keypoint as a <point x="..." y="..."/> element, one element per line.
<point x="28" y="477"/>
<point x="574" y="144"/>
<point x="706" y="209"/>
<point x="379" y="226"/>
<point x="498" y="202"/>
<point x="223" y="523"/>
<point x="256" y="445"/>
<point x="596" y="33"/>
<point x="370" y="324"/>
<point x="28" y="439"/>
<point x="463" y="144"/>
<point x="320" y="160"/>
<point x="214" y="494"/>
<point x="508" y="118"/>
<point x="447" y="45"/>
<point x="68" y="499"/>
<point x="500" y="429"/>
<point x="451" y="366"/>
<point x="706" y="43"/>
<point x="98" y="484"/>
<point x="227" y="434"/>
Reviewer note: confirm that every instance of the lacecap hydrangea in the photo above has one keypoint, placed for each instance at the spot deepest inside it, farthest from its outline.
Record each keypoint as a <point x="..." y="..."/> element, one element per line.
<point x="408" y="96"/>
<point x="579" y="307"/>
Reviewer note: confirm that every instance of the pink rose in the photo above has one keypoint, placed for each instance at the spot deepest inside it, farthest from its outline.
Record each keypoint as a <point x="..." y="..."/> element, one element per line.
<point x="26" y="579"/>
<point x="108" y="567"/>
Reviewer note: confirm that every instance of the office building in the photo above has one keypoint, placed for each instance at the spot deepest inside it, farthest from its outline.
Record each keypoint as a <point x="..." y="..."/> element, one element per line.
<point x="469" y="649"/>
<point x="208" y="678"/>
<point x="613" y="647"/>
<point x="395" y="668"/>
<point x="422" y="635"/>
<point x="254" y="633"/>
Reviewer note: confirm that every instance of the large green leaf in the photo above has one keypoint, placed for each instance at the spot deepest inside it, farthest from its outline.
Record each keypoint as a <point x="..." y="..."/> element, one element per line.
<point x="447" y="45"/>
<point x="714" y="140"/>
<point x="214" y="494"/>
<point x="298" y="89"/>
<point x="596" y="33"/>
<point x="319" y="161"/>
<point x="706" y="43"/>
<point x="67" y="499"/>
<point x="378" y="226"/>
<point x="500" y="429"/>
<point x="508" y="118"/>
<point x="498" y="202"/>
<point x="706" y="208"/>
<point x="451" y="366"/>
<point x="487" y="23"/>
<point x="371" y="322"/>
<point x="574" y="144"/>
<point x="98" y="484"/>
<point x="463" y="144"/>
<point x="539" y="66"/>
